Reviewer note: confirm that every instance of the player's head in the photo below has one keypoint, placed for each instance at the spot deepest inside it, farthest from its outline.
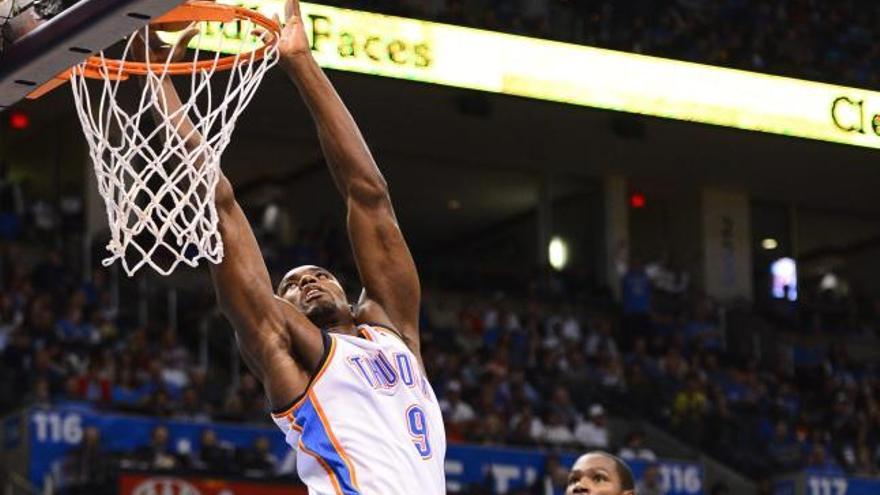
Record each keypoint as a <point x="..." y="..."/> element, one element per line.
<point x="600" y="473"/>
<point x="317" y="294"/>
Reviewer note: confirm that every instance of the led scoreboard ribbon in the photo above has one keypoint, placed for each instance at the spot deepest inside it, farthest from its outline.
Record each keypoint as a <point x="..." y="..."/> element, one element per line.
<point x="436" y="53"/>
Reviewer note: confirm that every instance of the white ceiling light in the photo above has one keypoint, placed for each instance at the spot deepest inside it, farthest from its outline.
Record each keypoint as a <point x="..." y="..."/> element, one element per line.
<point x="558" y="253"/>
<point x="769" y="244"/>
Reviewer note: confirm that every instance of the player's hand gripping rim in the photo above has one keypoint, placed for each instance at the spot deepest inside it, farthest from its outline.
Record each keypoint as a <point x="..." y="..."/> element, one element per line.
<point x="294" y="44"/>
<point x="156" y="50"/>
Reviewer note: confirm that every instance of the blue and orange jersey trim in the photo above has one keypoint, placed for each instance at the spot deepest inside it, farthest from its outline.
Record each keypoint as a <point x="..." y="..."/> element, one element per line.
<point x="316" y="436"/>
<point x="317" y="440"/>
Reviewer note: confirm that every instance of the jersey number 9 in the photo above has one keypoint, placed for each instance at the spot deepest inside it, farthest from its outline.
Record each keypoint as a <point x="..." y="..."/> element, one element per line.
<point x="417" y="424"/>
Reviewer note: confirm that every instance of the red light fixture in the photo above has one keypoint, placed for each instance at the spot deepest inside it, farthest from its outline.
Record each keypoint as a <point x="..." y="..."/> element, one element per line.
<point x="637" y="200"/>
<point x="19" y="120"/>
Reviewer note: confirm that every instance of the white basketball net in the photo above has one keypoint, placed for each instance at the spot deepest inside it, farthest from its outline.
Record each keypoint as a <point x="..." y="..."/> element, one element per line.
<point x="159" y="194"/>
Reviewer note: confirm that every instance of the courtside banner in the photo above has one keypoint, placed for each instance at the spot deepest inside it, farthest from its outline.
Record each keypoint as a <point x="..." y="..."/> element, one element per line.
<point x="53" y="433"/>
<point x="163" y="484"/>
<point x="436" y="53"/>
<point x="819" y="483"/>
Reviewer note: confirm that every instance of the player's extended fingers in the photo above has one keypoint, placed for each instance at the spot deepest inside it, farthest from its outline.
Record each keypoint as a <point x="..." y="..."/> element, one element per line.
<point x="291" y="8"/>
<point x="155" y="41"/>
<point x="137" y="48"/>
<point x="182" y="44"/>
<point x="260" y="33"/>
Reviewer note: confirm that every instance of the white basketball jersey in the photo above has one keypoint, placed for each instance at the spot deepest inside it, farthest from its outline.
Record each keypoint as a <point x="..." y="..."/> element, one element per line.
<point x="369" y="423"/>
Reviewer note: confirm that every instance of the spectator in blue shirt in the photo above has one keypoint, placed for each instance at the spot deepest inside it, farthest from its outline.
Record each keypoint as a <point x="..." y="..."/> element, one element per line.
<point x="636" y="301"/>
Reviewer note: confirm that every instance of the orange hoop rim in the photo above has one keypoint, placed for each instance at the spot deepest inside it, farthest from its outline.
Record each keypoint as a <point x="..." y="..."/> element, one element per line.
<point x="192" y="11"/>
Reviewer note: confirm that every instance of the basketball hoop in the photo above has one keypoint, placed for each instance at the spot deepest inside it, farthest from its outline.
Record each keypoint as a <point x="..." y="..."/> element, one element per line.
<point x="158" y="185"/>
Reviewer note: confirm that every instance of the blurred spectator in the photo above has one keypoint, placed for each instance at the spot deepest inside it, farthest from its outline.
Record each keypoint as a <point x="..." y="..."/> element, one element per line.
<point x="561" y="404"/>
<point x="690" y="408"/>
<point x="253" y="400"/>
<point x="554" y="480"/>
<point x="85" y="469"/>
<point x="211" y="456"/>
<point x="651" y="482"/>
<point x="157" y="454"/>
<point x="40" y="395"/>
<point x="128" y="390"/>
<point x="46" y="367"/>
<point x="818" y="460"/>
<point x="526" y="429"/>
<point x="94" y="385"/>
<point x="601" y="339"/>
<point x="702" y="332"/>
<point x="258" y="461"/>
<point x="490" y="431"/>
<point x="636" y="301"/>
<point x="557" y="432"/>
<point x="634" y="448"/>
<point x="866" y="463"/>
<point x="191" y="408"/>
<point x="74" y="330"/>
<point x="458" y="414"/>
<point x="174" y="360"/>
<point x="233" y="409"/>
<point x="209" y="392"/>
<point x="160" y="404"/>
<point x="784" y="452"/>
<point x="593" y="434"/>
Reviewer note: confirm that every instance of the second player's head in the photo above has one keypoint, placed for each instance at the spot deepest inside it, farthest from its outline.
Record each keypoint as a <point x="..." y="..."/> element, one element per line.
<point x="600" y="473"/>
<point x="317" y="294"/>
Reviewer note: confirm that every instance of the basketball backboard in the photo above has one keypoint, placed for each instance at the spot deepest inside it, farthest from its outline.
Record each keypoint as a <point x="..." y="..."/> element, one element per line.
<point x="67" y="39"/>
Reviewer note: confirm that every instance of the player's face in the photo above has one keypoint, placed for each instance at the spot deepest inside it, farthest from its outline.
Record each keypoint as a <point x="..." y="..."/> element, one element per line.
<point x="595" y="475"/>
<point x="315" y="292"/>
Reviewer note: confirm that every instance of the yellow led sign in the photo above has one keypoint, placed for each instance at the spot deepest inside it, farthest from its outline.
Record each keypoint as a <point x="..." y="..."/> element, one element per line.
<point x="499" y="63"/>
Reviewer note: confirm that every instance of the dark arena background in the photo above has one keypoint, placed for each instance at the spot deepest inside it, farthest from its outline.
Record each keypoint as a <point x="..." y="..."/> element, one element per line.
<point x="646" y="227"/>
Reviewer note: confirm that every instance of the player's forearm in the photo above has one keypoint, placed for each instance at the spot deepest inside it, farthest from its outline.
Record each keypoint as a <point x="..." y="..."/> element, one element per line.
<point x="242" y="282"/>
<point x="348" y="157"/>
<point x="182" y="125"/>
<point x="168" y="106"/>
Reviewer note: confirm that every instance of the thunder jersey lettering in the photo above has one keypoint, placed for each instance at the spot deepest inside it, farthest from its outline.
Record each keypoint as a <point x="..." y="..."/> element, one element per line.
<point x="369" y="423"/>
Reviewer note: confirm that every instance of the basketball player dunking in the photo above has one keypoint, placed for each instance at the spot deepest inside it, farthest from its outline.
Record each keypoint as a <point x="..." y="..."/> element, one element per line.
<point x="350" y="396"/>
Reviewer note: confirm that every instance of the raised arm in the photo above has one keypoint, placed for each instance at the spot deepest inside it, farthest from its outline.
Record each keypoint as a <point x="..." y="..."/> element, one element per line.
<point x="385" y="265"/>
<point x="279" y="345"/>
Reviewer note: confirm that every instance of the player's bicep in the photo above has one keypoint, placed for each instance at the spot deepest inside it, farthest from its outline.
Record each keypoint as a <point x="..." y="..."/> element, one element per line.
<point x="385" y="264"/>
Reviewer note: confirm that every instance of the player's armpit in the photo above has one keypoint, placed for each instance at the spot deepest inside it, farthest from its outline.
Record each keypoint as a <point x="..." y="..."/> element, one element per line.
<point x="264" y="351"/>
<point x="284" y="351"/>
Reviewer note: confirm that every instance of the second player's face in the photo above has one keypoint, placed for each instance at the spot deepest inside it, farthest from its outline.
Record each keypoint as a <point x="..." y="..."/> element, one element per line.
<point x="594" y="475"/>
<point x="313" y="290"/>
